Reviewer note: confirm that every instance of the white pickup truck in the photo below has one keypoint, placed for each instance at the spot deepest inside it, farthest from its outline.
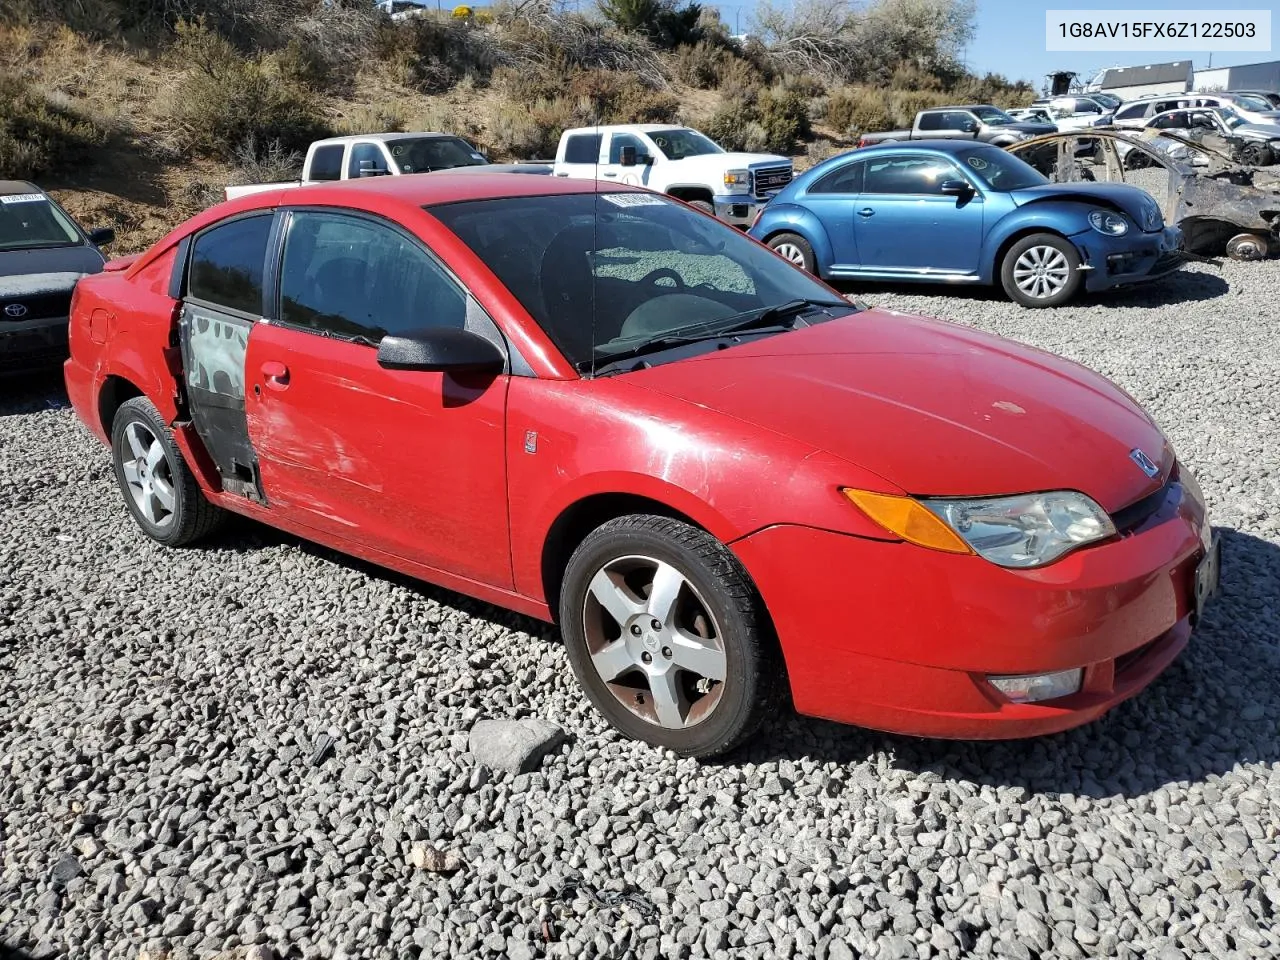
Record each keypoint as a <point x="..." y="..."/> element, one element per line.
<point x="388" y="154"/>
<point x="677" y="161"/>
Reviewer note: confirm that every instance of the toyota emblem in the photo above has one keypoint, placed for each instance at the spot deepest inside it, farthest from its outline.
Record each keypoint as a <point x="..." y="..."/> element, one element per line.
<point x="15" y="310"/>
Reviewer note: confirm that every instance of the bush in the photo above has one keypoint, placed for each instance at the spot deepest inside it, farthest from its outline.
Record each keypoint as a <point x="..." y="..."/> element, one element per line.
<point x="432" y="55"/>
<point x="854" y="110"/>
<point x="701" y="65"/>
<point x="225" y="100"/>
<point x="761" y="120"/>
<point x="39" y="135"/>
<point x="662" y="21"/>
<point x="266" y="163"/>
<point x="518" y="133"/>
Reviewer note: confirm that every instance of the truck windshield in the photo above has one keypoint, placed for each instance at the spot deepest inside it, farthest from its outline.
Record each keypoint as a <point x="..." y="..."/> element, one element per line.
<point x="29" y="220"/>
<point x="424" y="154"/>
<point x="612" y="275"/>
<point x="1000" y="170"/>
<point x="679" y="143"/>
<point x="992" y="116"/>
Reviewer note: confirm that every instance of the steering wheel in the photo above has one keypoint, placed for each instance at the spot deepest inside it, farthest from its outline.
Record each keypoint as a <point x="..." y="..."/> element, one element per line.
<point x="663" y="273"/>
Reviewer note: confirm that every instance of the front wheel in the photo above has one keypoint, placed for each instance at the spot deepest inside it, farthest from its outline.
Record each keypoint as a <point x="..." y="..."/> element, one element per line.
<point x="795" y="248"/>
<point x="705" y="206"/>
<point x="1256" y="154"/>
<point x="668" y="636"/>
<point x="1042" y="270"/>
<point x="159" y="490"/>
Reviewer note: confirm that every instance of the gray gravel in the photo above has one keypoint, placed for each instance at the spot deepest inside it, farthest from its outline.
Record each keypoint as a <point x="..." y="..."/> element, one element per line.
<point x="244" y="744"/>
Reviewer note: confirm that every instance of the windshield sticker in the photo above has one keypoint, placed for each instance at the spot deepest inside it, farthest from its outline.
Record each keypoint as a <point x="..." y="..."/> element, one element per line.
<point x="633" y="199"/>
<point x="478" y="156"/>
<point x="397" y="151"/>
<point x="23" y="198"/>
<point x="977" y="163"/>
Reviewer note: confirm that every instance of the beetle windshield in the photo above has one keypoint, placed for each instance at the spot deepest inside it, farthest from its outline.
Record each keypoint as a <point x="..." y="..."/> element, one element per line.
<point x="30" y="220"/>
<point x="610" y="274"/>
<point x="424" y="154"/>
<point x="1000" y="170"/>
<point x="676" y="144"/>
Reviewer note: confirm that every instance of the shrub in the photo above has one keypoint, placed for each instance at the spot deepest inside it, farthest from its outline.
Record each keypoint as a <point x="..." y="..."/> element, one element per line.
<point x="38" y="134"/>
<point x="518" y="133"/>
<point x="224" y="100"/>
<point x="266" y="163"/>
<point x="784" y="115"/>
<point x="701" y="65"/>
<point x="431" y="54"/>
<point x="854" y="110"/>
<point x="662" y="21"/>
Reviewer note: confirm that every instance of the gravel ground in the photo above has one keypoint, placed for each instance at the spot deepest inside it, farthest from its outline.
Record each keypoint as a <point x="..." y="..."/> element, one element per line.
<point x="158" y="787"/>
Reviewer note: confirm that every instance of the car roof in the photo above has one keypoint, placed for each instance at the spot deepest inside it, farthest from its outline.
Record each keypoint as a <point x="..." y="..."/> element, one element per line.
<point x="427" y="189"/>
<point x="9" y="188"/>
<point x="387" y="137"/>
<point x="932" y="146"/>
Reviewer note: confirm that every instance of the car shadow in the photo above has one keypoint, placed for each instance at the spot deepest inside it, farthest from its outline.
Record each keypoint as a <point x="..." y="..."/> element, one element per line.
<point x="1217" y="706"/>
<point x="32" y="392"/>
<point x="1185" y="286"/>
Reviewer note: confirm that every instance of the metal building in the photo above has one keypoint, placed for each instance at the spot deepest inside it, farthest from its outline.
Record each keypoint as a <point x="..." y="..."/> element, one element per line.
<point x="1248" y="76"/>
<point x="1131" y="82"/>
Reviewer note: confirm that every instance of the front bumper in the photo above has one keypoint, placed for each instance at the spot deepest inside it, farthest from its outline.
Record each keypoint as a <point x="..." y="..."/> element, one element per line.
<point x="900" y="638"/>
<point x="32" y="344"/>
<point x="1133" y="258"/>
<point x="738" y="209"/>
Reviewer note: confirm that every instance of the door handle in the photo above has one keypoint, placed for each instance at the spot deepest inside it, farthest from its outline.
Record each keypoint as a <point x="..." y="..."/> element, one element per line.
<point x="608" y="173"/>
<point x="562" y="174"/>
<point x="866" y="212"/>
<point x="275" y="374"/>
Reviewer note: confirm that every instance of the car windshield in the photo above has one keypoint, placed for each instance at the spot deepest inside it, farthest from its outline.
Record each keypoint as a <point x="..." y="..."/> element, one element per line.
<point x="1107" y="100"/>
<point x="614" y="274"/>
<point x="992" y="116"/>
<point x="676" y="144"/>
<point x="30" y="220"/>
<point x="424" y="154"/>
<point x="1000" y="170"/>
<point x="1250" y="102"/>
<point x="1231" y="118"/>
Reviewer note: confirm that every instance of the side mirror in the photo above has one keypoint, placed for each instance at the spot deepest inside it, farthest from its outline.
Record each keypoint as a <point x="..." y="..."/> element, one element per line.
<point x="627" y="156"/>
<point x="956" y="188"/>
<point x="102" y="236"/>
<point x="445" y="349"/>
<point x="368" y="168"/>
<point x="968" y="126"/>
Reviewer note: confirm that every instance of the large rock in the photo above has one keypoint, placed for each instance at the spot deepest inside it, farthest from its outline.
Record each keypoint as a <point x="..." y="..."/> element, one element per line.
<point x="516" y="746"/>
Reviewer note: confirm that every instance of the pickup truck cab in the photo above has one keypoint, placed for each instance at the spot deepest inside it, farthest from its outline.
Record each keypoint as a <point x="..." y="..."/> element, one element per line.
<point x="677" y="161"/>
<point x="387" y="154"/>
<point x="981" y="122"/>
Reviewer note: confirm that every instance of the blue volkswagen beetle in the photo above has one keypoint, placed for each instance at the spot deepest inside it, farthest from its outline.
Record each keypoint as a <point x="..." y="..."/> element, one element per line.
<point x="963" y="212"/>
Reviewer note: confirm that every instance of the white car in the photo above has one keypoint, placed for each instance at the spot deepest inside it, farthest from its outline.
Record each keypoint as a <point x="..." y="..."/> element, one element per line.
<point x="1135" y="114"/>
<point x="1078" y="113"/>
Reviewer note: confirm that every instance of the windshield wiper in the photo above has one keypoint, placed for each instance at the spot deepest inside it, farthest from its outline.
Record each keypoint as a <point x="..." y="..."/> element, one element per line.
<point x="780" y="311"/>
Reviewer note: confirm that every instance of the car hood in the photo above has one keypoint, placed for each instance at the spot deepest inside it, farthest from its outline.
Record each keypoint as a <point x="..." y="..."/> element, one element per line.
<point x="1029" y="127"/>
<point x="1258" y="131"/>
<point x="16" y="265"/>
<point x="932" y="407"/>
<point x="728" y="161"/>
<point x="1137" y="203"/>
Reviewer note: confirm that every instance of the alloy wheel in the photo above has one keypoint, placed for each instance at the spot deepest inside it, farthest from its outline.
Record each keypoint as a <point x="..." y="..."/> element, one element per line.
<point x="791" y="252"/>
<point x="1041" y="272"/>
<point x="654" y="642"/>
<point x="148" y="474"/>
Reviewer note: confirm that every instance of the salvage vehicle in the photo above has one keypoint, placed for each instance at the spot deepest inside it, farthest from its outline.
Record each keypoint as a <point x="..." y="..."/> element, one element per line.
<point x="1135" y="113"/>
<point x="962" y="213"/>
<point x="600" y="407"/>
<point x="982" y="122"/>
<point x="677" y="161"/>
<point x="388" y="154"/>
<point x="43" y="253"/>
<point x="1220" y="205"/>
<point x="1255" y="144"/>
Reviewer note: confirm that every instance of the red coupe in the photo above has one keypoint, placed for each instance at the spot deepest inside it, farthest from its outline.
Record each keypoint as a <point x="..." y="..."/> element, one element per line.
<point x="723" y="480"/>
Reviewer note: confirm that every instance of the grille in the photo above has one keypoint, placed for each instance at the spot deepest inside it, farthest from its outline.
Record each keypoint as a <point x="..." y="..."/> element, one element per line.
<point x="1139" y="512"/>
<point x="39" y="306"/>
<point x="772" y="179"/>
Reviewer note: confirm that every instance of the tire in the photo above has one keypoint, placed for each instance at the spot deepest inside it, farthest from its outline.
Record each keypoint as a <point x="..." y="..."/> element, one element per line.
<point x="713" y="620"/>
<point x="795" y="248"/>
<point x="704" y="205"/>
<point x="1256" y="154"/>
<point x="148" y="463"/>
<point x="1137" y="160"/>
<point x="1058" y="282"/>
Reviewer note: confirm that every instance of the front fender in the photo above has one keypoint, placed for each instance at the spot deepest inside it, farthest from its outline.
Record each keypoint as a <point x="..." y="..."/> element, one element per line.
<point x="793" y="218"/>
<point x="1062" y="218"/>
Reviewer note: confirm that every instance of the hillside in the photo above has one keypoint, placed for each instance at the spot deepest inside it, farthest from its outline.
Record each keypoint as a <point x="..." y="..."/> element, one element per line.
<point x="137" y="119"/>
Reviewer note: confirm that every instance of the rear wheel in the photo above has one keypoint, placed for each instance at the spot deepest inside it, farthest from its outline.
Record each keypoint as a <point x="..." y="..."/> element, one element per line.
<point x="668" y="636"/>
<point x="159" y="490"/>
<point x="795" y="248"/>
<point x="1042" y="270"/>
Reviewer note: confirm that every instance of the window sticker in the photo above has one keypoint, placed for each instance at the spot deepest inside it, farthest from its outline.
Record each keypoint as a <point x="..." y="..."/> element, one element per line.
<point x="977" y="163"/>
<point x="23" y="198"/>
<point x="633" y="199"/>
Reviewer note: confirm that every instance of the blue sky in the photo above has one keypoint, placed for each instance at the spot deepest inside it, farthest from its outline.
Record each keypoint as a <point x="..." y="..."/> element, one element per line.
<point x="1010" y="38"/>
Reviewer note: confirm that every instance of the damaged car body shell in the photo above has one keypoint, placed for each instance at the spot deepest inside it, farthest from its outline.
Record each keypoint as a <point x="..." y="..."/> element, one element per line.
<point x="1220" y="205"/>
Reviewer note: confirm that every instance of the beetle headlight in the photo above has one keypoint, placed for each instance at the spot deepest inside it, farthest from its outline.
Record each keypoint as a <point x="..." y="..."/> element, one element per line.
<point x="1112" y="224"/>
<point x="1025" y="531"/>
<point x="736" y="181"/>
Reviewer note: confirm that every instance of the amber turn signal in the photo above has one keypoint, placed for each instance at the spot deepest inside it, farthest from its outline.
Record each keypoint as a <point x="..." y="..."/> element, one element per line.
<point x="908" y="519"/>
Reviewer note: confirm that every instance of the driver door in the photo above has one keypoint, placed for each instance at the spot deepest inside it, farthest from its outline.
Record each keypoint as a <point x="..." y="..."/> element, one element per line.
<point x="410" y="463"/>
<point x="612" y="169"/>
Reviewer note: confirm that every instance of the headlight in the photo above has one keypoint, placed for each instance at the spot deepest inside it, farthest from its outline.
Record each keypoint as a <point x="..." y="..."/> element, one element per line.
<point x="1025" y="531"/>
<point x="736" y="180"/>
<point x="1112" y="224"/>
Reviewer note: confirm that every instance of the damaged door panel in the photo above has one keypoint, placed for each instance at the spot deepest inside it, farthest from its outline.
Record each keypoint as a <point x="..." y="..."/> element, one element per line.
<point x="1220" y="205"/>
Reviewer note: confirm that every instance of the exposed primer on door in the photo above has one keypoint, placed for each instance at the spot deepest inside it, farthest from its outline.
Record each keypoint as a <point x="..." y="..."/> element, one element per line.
<point x="217" y="347"/>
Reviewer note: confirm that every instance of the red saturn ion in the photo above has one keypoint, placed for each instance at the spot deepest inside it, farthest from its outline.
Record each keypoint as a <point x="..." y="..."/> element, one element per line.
<point x="723" y="480"/>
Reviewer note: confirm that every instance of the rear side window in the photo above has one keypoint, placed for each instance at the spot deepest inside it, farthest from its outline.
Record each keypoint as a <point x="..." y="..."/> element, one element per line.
<point x="930" y="121"/>
<point x="227" y="262"/>
<point x="848" y="179"/>
<point x="582" y="148"/>
<point x="1132" y="113"/>
<point x="326" y="163"/>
